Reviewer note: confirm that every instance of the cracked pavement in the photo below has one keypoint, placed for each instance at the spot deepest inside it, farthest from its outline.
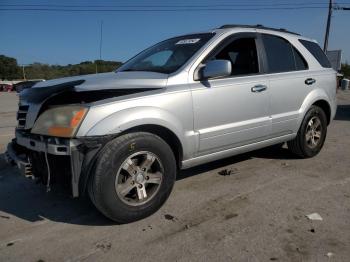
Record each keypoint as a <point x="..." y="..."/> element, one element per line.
<point x="250" y="207"/>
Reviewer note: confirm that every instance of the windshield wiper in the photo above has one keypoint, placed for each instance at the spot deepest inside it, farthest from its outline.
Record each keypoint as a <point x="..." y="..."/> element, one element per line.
<point x="130" y="70"/>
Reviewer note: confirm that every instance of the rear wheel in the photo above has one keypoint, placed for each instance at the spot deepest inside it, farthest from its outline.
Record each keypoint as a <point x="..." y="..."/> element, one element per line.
<point x="133" y="177"/>
<point x="311" y="135"/>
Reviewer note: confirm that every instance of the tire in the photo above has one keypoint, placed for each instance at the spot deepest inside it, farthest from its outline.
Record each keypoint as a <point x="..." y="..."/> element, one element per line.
<point x="113" y="175"/>
<point x="303" y="145"/>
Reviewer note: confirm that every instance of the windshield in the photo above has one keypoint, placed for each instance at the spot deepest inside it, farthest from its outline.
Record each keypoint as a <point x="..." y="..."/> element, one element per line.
<point x="167" y="56"/>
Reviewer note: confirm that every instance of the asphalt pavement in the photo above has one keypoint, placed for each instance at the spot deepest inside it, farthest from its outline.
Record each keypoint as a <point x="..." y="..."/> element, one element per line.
<point x="251" y="207"/>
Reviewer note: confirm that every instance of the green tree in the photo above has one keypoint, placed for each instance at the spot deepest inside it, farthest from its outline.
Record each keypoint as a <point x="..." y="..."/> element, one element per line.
<point x="345" y="69"/>
<point x="9" y="68"/>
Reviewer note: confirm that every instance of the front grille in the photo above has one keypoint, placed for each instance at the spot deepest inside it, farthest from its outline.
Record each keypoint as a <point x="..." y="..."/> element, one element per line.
<point x="22" y="115"/>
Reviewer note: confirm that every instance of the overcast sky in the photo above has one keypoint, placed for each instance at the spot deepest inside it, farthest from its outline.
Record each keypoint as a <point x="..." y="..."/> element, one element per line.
<point x="58" y="37"/>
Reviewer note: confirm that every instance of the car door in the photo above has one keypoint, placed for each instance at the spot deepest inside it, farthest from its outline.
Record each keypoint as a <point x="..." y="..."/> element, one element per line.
<point x="232" y="111"/>
<point x="287" y="71"/>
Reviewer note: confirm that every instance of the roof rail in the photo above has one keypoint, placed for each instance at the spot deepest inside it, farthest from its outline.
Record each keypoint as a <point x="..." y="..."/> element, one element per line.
<point x="258" y="26"/>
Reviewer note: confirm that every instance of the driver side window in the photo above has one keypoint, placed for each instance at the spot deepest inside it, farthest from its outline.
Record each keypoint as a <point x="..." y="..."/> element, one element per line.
<point x="243" y="56"/>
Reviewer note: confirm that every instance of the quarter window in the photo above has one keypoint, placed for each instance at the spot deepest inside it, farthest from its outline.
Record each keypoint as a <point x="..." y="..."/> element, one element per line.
<point x="300" y="62"/>
<point x="317" y="52"/>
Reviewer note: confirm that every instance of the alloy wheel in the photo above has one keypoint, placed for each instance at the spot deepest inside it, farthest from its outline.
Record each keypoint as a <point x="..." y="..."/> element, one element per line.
<point x="139" y="178"/>
<point x="313" y="132"/>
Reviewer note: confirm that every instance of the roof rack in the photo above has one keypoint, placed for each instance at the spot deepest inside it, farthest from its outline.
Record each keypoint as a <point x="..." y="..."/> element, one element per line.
<point x="258" y="26"/>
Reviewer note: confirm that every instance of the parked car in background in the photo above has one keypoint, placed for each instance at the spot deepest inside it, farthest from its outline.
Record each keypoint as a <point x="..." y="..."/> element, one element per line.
<point x="121" y="137"/>
<point x="19" y="87"/>
<point x="6" y="87"/>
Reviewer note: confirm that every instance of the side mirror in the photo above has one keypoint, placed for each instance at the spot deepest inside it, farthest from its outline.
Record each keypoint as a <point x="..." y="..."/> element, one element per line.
<point x="217" y="68"/>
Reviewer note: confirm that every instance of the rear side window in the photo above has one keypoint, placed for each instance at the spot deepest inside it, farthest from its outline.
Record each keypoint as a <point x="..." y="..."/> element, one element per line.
<point x="317" y="52"/>
<point x="279" y="54"/>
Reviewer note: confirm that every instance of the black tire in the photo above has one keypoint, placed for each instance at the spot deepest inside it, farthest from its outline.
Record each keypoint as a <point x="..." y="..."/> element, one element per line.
<point x="102" y="190"/>
<point x="299" y="145"/>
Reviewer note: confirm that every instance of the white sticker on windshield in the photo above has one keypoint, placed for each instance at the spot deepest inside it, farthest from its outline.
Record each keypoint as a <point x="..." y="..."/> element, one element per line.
<point x="188" y="41"/>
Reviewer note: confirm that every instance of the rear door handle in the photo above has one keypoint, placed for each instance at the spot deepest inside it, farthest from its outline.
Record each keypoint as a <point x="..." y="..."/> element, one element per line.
<point x="310" y="81"/>
<point x="258" y="88"/>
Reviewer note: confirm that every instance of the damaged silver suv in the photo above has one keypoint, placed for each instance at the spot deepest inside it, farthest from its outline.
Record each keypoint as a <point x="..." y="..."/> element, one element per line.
<point x="122" y="136"/>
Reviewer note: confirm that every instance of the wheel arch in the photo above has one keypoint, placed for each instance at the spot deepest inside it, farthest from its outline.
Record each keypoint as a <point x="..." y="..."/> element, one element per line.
<point x="325" y="106"/>
<point x="164" y="133"/>
<point x="146" y="119"/>
<point x="319" y="98"/>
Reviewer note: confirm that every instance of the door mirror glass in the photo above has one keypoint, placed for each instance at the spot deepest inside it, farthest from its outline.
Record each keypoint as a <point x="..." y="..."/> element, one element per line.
<point x="217" y="68"/>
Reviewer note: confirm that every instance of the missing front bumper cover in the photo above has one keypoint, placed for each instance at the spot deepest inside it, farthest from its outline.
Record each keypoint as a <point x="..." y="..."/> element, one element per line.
<point x="23" y="164"/>
<point x="73" y="156"/>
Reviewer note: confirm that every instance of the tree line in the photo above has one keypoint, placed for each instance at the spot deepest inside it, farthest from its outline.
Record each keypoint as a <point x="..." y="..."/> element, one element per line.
<point x="10" y="70"/>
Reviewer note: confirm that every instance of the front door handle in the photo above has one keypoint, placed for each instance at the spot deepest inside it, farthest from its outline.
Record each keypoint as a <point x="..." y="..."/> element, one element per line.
<point x="258" y="88"/>
<point x="310" y="81"/>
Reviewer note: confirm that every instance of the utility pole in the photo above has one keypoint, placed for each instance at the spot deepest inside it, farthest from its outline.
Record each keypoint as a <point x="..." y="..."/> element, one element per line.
<point x="24" y="73"/>
<point x="330" y="9"/>
<point x="101" y="27"/>
<point x="101" y="39"/>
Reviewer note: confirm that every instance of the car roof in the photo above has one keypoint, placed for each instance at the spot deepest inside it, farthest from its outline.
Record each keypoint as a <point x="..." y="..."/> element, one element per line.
<point x="258" y="26"/>
<point x="261" y="29"/>
<point x="251" y="28"/>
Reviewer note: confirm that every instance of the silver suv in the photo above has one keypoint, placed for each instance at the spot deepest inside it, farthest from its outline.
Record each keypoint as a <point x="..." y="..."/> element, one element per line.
<point x="122" y="136"/>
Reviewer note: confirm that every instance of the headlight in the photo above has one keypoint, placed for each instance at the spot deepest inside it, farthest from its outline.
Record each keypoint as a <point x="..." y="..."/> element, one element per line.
<point x="60" y="121"/>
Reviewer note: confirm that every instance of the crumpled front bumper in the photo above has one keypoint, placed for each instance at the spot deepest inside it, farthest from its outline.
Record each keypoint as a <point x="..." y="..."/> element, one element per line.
<point x="76" y="154"/>
<point x="13" y="157"/>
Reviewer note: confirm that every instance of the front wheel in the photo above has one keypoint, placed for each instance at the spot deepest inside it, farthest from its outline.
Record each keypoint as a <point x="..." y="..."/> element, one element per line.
<point x="311" y="135"/>
<point x="133" y="177"/>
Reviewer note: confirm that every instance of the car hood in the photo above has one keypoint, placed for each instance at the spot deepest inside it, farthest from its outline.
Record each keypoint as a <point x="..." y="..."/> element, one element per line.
<point x="112" y="80"/>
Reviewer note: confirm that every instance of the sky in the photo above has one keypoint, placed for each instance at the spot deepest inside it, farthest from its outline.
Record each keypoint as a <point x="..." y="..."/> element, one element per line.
<point x="57" y="37"/>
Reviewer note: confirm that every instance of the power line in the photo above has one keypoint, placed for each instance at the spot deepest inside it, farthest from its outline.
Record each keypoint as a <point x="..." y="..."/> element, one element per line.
<point x="151" y="7"/>
<point x="342" y="8"/>
<point x="165" y="3"/>
<point x="161" y="10"/>
<point x="167" y="6"/>
<point x="192" y="2"/>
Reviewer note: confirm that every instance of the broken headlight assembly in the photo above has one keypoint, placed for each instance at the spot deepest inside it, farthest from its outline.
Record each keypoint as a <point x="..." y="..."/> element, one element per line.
<point x="62" y="121"/>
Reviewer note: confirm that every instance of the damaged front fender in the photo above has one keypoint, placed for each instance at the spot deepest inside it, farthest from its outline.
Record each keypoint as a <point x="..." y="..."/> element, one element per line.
<point x="83" y="158"/>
